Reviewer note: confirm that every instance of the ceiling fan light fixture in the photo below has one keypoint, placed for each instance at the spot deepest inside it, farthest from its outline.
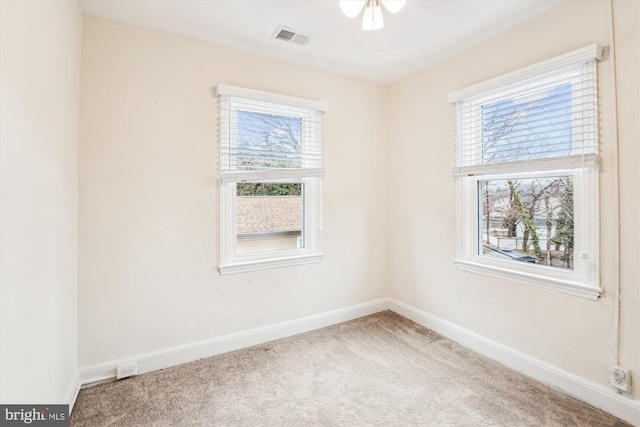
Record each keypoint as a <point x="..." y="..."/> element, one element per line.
<point x="372" y="18"/>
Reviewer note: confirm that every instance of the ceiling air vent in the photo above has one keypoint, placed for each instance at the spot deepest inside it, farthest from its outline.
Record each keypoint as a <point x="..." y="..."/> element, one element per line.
<point x="290" y="35"/>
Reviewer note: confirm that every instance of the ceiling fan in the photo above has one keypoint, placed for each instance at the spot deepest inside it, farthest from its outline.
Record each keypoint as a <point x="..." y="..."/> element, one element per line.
<point x="372" y="18"/>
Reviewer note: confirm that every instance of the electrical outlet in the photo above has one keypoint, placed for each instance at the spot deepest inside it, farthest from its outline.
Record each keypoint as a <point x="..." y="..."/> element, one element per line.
<point x="620" y="378"/>
<point x="128" y="370"/>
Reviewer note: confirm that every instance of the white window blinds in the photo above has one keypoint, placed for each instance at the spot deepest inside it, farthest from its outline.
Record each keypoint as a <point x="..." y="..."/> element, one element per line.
<point x="536" y="123"/>
<point x="268" y="139"/>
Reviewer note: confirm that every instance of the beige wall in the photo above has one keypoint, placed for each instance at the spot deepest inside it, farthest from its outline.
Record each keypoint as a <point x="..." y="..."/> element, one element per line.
<point x="569" y="332"/>
<point x="149" y="196"/>
<point x="39" y="96"/>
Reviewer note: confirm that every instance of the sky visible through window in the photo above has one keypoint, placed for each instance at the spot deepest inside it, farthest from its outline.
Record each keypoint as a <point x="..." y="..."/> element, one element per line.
<point x="268" y="140"/>
<point x="535" y="126"/>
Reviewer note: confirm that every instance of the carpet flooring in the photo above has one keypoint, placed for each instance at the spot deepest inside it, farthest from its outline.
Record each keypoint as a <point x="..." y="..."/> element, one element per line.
<point x="379" y="370"/>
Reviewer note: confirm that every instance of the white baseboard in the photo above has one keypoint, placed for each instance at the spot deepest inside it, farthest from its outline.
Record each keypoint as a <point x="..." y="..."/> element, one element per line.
<point x="188" y="353"/>
<point x="589" y="392"/>
<point x="73" y="390"/>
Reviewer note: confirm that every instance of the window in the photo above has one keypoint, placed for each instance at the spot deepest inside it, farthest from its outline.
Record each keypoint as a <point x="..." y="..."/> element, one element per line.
<point x="270" y="180"/>
<point x="526" y="175"/>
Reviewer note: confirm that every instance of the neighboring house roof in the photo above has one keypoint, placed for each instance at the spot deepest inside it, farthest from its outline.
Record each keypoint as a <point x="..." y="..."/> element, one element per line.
<point x="495" y="252"/>
<point x="269" y="214"/>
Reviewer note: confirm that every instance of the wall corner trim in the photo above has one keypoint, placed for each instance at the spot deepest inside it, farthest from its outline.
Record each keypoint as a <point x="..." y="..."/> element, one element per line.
<point x="580" y="388"/>
<point x="93" y="375"/>
<point x="73" y="390"/>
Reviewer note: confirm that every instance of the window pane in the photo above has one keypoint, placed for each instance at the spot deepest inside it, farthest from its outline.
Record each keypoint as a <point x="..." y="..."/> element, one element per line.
<point x="528" y="220"/>
<point x="268" y="141"/>
<point x="269" y="216"/>
<point x="532" y="126"/>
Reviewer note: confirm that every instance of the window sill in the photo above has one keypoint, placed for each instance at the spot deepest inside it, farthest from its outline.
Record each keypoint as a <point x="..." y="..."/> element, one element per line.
<point x="243" y="267"/>
<point x="544" y="282"/>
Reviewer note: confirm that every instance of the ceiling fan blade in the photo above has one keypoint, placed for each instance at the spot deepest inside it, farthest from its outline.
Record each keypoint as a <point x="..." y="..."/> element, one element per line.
<point x="351" y="8"/>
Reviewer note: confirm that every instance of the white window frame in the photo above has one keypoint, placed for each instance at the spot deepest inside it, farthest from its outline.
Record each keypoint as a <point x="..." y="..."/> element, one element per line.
<point x="310" y="177"/>
<point x="583" y="279"/>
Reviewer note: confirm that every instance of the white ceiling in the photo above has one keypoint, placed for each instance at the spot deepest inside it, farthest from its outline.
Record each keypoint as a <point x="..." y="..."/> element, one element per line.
<point x="421" y="34"/>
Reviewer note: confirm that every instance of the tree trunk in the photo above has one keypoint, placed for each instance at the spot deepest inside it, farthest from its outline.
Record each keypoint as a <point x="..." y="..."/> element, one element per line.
<point x="548" y="214"/>
<point x="527" y="221"/>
